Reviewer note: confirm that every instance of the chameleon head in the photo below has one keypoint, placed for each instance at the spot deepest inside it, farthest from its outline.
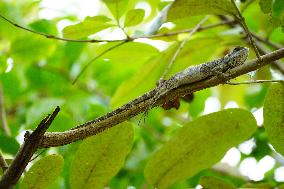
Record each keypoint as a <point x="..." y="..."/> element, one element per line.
<point x="238" y="56"/>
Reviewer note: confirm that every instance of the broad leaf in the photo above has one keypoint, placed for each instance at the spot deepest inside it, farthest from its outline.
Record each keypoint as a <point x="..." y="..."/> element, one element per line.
<point x="278" y="12"/>
<point x="143" y="80"/>
<point x="134" y="17"/>
<point x="273" y="113"/>
<point x="89" y="26"/>
<point x="100" y="157"/>
<point x="214" y="182"/>
<point x="275" y="11"/>
<point x="199" y="145"/>
<point x="266" y="6"/>
<point x="40" y="109"/>
<point x="43" y="172"/>
<point x="186" y="8"/>
<point x="31" y="48"/>
<point x="116" y="7"/>
<point x="8" y="144"/>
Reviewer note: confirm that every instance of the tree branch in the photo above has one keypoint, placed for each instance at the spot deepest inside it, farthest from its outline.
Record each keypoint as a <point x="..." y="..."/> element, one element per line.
<point x="137" y="106"/>
<point x="29" y="147"/>
<point x="3" y="119"/>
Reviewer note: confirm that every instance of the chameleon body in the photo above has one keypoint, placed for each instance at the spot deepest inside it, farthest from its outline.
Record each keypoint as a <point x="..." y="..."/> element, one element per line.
<point x="191" y="74"/>
<point x="200" y="72"/>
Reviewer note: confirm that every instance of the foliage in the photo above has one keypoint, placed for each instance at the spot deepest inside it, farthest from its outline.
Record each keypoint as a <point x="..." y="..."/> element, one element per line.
<point x="171" y="148"/>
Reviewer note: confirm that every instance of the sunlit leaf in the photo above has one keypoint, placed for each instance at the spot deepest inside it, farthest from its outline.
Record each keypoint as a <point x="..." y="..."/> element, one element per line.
<point x="273" y="113"/>
<point x="199" y="145"/>
<point x="90" y="25"/>
<point x="143" y="80"/>
<point x="31" y="48"/>
<point x="44" y="26"/>
<point x="117" y="65"/>
<point x="43" y="172"/>
<point x="186" y="8"/>
<point x="134" y="17"/>
<point x="116" y="7"/>
<point x="214" y="182"/>
<point x="100" y="157"/>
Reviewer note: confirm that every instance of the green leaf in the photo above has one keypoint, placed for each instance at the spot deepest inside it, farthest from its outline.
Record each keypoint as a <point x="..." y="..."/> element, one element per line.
<point x="266" y="6"/>
<point x="199" y="145"/>
<point x="89" y="26"/>
<point x="8" y="144"/>
<point x="100" y="157"/>
<point x="187" y="8"/>
<point x="214" y="182"/>
<point x="3" y="64"/>
<point x="119" y="65"/>
<point x="278" y="9"/>
<point x="116" y="7"/>
<point x="31" y="48"/>
<point x="134" y="17"/>
<point x="260" y="185"/>
<point x="275" y="9"/>
<point x="143" y="80"/>
<point x="44" y="26"/>
<point x="40" y="109"/>
<point x="43" y="172"/>
<point x="273" y="114"/>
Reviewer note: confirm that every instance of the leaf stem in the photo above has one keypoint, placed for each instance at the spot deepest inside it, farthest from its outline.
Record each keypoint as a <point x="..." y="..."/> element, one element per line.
<point x="253" y="82"/>
<point x="241" y="19"/>
<point x="59" y="38"/>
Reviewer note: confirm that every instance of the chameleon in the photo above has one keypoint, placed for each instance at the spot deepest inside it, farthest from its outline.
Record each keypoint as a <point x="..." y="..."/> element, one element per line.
<point x="200" y="72"/>
<point x="190" y="75"/>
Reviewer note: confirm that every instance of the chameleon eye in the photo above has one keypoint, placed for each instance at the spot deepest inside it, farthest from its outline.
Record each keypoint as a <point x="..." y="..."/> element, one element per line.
<point x="237" y="48"/>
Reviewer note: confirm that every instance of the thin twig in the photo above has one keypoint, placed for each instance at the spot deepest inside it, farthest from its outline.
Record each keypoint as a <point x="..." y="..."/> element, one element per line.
<point x="95" y="58"/>
<point x="137" y="105"/>
<point x="117" y="40"/>
<point x="276" y="64"/>
<point x="182" y="45"/>
<point x="267" y="42"/>
<point x="241" y="19"/>
<point x="37" y="155"/>
<point x="3" y="117"/>
<point x="59" y="38"/>
<point x="253" y="82"/>
<point x="25" y="153"/>
<point x="3" y="163"/>
<point x="186" y="30"/>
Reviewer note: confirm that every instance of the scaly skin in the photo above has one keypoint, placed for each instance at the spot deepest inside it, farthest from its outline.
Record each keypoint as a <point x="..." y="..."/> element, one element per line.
<point x="202" y="71"/>
<point x="190" y="75"/>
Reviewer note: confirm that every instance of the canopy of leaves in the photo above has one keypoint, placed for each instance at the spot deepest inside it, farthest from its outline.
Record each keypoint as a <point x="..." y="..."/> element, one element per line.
<point x="48" y="45"/>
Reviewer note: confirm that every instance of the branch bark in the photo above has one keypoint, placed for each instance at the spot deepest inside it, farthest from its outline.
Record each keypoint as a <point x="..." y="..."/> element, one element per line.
<point x="137" y="106"/>
<point x="29" y="147"/>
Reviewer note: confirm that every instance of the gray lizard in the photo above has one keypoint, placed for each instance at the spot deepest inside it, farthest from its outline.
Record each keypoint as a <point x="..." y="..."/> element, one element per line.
<point x="190" y="75"/>
<point x="200" y="72"/>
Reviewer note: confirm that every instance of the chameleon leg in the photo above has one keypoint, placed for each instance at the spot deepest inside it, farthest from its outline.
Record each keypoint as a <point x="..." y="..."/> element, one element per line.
<point x="220" y="75"/>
